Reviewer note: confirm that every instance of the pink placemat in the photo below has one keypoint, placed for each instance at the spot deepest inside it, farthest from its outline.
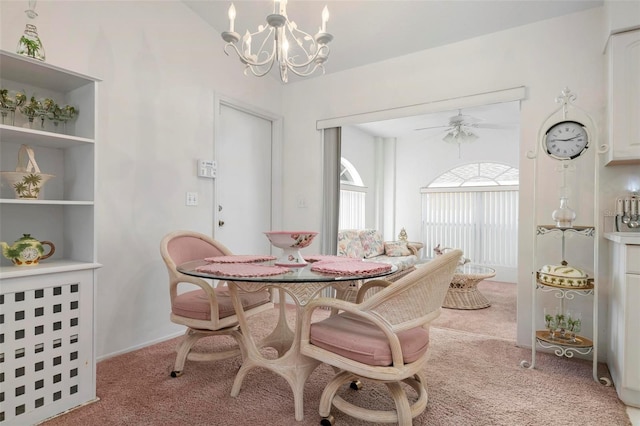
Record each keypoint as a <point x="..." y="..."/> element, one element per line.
<point x="241" y="270"/>
<point x="329" y="258"/>
<point x="239" y="258"/>
<point x="351" y="268"/>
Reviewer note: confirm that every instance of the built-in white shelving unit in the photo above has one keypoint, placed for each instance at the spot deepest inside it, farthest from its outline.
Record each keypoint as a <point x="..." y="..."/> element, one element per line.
<point x="47" y="356"/>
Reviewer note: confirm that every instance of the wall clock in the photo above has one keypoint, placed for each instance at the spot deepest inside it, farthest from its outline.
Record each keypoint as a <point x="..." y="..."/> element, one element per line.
<point x="566" y="140"/>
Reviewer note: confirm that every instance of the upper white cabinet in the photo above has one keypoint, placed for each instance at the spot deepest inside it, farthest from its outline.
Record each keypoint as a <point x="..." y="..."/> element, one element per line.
<point x="624" y="98"/>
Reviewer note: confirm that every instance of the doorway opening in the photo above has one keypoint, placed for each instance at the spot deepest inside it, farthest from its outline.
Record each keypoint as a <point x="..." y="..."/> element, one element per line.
<point x="474" y="207"/>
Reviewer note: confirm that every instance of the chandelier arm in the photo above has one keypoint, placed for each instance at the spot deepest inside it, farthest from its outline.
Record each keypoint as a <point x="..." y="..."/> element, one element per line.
<point x="264" y="42"/>
<point x="256" y="71"/>
<point x="248" y="61"/>
<point x="307" y="73"/>
<point x="323" y="52"/>
<point x="314" y="46"/>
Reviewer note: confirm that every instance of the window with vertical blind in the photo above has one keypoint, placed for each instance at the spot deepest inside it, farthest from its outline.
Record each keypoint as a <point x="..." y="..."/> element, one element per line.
<point x="475" y="208"/>
<point x="352" y="197"/>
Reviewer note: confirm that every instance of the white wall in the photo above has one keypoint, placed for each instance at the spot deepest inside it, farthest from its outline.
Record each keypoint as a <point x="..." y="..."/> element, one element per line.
<point x="545" y="57"/>
<point x="160" y="65"/>
<point x="359" y="148"/>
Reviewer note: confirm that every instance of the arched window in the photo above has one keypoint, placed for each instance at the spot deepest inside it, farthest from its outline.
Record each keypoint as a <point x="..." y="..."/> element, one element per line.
<point x="474" y="207"/>
<point x="348" y="173"/>
<point x="353" y="196"/>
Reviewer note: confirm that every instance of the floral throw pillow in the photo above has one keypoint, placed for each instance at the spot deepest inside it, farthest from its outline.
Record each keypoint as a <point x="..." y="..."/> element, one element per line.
<point x="349" y="244"/>
<point x="396" y="249"/>
<point x="372" y="243"/>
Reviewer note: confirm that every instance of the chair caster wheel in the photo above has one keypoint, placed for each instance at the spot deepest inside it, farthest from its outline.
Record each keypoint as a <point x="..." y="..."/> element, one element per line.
<point x="356" y="385"/>
<point x="176" y="373"/>
<point x="327" y="421"/>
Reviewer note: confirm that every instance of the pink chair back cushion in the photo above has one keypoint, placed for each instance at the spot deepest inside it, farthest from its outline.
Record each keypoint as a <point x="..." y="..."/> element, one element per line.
<point x="195" y="304"/>
<point x="363" y="342"/>
<point x="185" y="248"/>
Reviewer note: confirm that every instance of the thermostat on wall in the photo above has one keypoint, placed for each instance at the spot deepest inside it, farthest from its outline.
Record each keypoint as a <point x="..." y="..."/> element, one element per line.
<point x="207" y="168"/>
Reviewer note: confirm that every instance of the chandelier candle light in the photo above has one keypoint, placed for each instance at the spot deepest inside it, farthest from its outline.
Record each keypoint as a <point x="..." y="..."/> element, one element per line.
<point x="293" y="49"/>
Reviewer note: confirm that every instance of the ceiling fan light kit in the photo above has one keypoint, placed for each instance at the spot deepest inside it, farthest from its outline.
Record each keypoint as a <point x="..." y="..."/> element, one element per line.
<point x="291" y="48"/>
<point x="460" y="135"/>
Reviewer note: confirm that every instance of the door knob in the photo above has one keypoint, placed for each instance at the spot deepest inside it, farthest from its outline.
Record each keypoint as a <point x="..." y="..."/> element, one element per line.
<point x="221" y="223"/>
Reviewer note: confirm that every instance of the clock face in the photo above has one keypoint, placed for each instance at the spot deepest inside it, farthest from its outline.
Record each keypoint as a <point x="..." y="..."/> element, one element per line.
<point x="566" y="140"/>
<point x="30" y="253"/>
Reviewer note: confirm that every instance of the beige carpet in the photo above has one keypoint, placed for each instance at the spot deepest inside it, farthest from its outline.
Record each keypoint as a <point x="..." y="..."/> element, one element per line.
<point x="474" y="378"/>
<point x="498" y="320"/>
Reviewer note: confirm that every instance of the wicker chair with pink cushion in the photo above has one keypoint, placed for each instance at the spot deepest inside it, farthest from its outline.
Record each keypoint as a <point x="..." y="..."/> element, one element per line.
<point x="383" y="337"/>
<point x="205" y="310"/>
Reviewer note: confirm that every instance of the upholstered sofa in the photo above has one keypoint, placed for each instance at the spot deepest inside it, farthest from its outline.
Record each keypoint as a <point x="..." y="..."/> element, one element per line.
<point x="369" y="245"/>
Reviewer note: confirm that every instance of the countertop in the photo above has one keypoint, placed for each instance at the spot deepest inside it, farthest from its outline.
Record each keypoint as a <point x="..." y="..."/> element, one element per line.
<point x="623" y="237"/>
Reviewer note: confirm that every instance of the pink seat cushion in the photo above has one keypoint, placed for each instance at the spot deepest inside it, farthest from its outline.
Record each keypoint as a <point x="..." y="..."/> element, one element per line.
<point x="195" y="304"/>
<point x="364" y="342"/>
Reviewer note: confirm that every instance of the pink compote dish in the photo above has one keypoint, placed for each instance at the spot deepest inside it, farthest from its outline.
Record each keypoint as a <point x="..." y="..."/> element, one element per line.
<point x="290" y="242"/>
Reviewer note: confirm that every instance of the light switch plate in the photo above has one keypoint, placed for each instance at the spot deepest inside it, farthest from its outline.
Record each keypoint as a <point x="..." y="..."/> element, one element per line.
<point x="192" y="199"/>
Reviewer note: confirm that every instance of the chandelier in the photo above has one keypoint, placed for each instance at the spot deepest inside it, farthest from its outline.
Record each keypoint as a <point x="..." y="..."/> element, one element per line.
<point x="280" y="42"/>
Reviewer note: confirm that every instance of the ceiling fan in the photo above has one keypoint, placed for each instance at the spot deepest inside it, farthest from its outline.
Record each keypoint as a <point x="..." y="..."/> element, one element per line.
<point x="460" y="128"/>
<point x="466" y="122"/>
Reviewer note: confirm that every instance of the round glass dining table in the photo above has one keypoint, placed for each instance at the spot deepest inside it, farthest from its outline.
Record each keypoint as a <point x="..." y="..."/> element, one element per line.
<point x="302" y="285"/>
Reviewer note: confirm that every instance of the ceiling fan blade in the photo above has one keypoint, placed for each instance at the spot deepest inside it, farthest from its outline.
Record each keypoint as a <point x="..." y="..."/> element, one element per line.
<point x="437" y="136"/>
<point x="495" y="126"/>
<point x="432" y="127"/>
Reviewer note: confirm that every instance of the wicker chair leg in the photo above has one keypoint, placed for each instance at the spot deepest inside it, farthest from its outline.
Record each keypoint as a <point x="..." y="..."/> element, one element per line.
<point x="403" y="409"/>
<point x="191" y="336"/>
<point x="330" y="390"/>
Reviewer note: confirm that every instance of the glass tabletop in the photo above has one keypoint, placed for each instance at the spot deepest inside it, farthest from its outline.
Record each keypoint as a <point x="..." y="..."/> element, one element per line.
<point x="295" y="274"/>
<point x="472" y="269"/>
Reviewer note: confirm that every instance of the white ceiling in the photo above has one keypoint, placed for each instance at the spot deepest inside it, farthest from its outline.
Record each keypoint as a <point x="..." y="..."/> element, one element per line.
<point x="368" y="31"/>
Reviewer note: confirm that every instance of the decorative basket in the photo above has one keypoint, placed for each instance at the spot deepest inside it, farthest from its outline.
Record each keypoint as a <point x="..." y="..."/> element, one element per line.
<point x="26" y="181"/>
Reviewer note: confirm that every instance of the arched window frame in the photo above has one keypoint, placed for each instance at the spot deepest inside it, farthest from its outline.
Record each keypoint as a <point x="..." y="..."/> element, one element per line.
<point x="349" y="174"/>
<point x="484" y="174"/>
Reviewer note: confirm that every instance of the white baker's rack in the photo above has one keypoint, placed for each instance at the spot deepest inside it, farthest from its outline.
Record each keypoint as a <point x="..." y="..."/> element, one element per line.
<point x="567" y="111"/>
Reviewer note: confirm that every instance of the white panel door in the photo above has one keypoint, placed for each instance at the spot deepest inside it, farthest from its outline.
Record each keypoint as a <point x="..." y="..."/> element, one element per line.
<point x="243" y="153"/>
